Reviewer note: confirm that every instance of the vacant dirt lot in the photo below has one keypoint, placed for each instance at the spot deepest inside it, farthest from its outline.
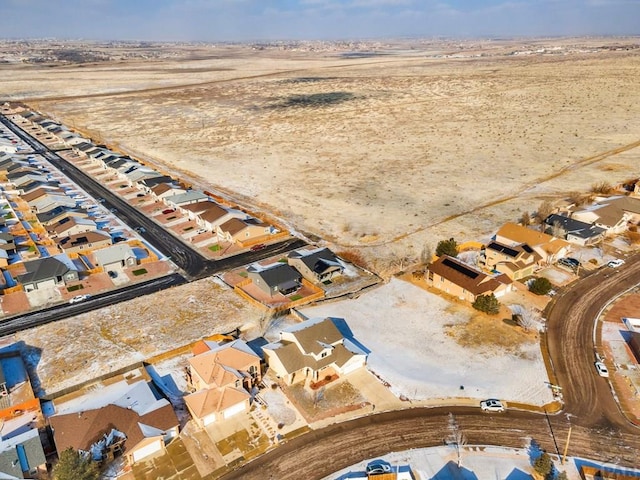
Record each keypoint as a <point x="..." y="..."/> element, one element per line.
<point x="382" y="153"/>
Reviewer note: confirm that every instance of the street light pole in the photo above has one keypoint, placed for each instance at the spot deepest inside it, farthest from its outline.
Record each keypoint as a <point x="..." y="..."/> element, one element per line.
<point x="566" y="447"/>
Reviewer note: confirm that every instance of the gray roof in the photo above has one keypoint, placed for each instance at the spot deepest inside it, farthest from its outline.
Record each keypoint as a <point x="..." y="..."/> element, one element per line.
<point x="574" y="227"/>
<point x="9" y="461"/>
<point x="114" y="253"/>
<point x="313" y="336"/>
<point x="45" y="268"/>
<point x="318" y="261"/>
<point x="190" y="196"/>
<point x="56" y="212"/>
<point x="278" y="274"/>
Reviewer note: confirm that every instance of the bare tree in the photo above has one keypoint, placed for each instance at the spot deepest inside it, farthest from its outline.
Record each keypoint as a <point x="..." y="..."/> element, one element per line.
<point x="426" y="255"/>
<point x="557" y="230"/>
<point x="544" y="210"/>
<point x="456" y="437"/>
<point x="528" y="318"/>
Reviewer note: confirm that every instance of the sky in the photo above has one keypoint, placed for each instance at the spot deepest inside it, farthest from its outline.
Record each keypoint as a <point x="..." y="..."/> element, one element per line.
<point x="255" y="20"/>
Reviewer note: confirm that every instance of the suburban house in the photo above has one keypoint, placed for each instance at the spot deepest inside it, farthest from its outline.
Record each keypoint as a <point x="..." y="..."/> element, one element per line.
<point x="241" y="231"/>
<point x="275" y="278"/>
<point x="574" y="231"/>
<point x="613" y="213"/>
<point x="315" y="350"/>
<point x="8" y="243"/>
<point x="21" y="452"/>
<point x="49" y="201"/>
<point x="16" y="394"/>
<point x="48" y="272"/>
<point x="116" y="257"/>
<point x="164" y="190"/>
<point x="465" y="282"/>
<point x="550" y="248"/>
<point x="71" y="225"/>
<point x="186" y="198"/>
<point x="223" y="377"/>
<point x="517" y="262"/>
<point x="316" y="265"/>
<point x="58" y="213"/>
<point x="36" y="193"/>
<point x="125" y="415"/>
<point x="85" y="241"/>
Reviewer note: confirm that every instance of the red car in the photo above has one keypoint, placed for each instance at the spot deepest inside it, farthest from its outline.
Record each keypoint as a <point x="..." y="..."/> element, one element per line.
<point x="257" y="248"/>
<point x="168" y="210"/>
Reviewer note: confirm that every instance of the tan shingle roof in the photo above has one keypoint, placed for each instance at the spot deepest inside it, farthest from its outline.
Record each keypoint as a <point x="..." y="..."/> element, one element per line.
<point x="212" y="400"/>
<point x="222" y="367"/>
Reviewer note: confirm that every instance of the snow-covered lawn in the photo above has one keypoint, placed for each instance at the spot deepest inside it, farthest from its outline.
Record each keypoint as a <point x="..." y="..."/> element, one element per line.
<point x="409" y="333"/>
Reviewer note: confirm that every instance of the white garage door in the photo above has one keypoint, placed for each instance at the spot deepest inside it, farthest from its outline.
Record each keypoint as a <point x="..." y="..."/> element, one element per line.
<point x="229" y="412"/>
<point x="46" y="284"/>
<point x="147" y="450"/>
<point x="209" y="419"/>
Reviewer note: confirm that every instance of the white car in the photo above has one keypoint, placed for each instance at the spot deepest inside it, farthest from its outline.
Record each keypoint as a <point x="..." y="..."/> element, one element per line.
<point x="602" y="370"/>
<point x="618" y="262"/>
<point x="80" y="298"/>
<point x="377" y="468"/>
<point x="492" y="405"/>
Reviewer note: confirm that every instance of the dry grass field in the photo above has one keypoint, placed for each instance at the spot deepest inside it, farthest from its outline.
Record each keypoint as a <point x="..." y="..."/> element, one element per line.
<point x="379" y="153"/>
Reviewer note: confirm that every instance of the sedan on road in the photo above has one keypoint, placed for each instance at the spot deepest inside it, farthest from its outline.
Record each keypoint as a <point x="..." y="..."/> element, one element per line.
<point x="492" y="405"/>
<point x="79" y="298"/>
<point x="602" y="369"/>
<point x="618" y="262"/>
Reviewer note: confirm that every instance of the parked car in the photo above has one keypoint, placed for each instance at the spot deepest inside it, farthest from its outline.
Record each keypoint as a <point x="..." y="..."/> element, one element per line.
<point x="572" y="263"/>
<point x="618" y="262"/>
<point x="377" y="467"/>
<point x="80" y="298"/>
<point x="602" y="369"/>
<point x="257" y="248"/>
<point x="491" y="405"/>
<point x="119" y="239"/>
<point x="168" y="210"/>
<point x="112" y="274"/>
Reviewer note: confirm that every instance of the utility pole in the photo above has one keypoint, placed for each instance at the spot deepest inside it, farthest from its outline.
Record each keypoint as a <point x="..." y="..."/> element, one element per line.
<point x="566" y="447"/>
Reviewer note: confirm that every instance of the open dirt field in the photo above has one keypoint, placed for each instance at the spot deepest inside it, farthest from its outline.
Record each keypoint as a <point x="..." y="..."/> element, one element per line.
<point x="381" y="153"/>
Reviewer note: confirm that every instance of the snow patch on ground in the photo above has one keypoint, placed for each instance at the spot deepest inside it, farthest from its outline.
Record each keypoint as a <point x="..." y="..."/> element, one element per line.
<point x="406" y="327"/>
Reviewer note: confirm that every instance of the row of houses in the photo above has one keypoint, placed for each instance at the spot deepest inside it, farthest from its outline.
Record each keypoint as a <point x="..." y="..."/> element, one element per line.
<point x="229" y="224"/>
<point x="516" y="252"/>
<point x="47" y="237"/>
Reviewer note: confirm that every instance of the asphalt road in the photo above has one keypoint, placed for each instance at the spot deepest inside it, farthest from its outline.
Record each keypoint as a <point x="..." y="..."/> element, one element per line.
<point x="598" y="429"/>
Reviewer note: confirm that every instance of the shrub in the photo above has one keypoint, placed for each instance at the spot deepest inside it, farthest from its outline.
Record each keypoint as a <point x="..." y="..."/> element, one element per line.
<point x="543" y="464"/>
<point x="602" y="187"/>
<point x="487" y="304"/>
<point x="447" y="247"/>
<point x="540" y="286"/>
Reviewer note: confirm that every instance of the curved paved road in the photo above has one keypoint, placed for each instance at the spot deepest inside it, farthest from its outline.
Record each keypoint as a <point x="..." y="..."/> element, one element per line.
<point x="599" y="430"/>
